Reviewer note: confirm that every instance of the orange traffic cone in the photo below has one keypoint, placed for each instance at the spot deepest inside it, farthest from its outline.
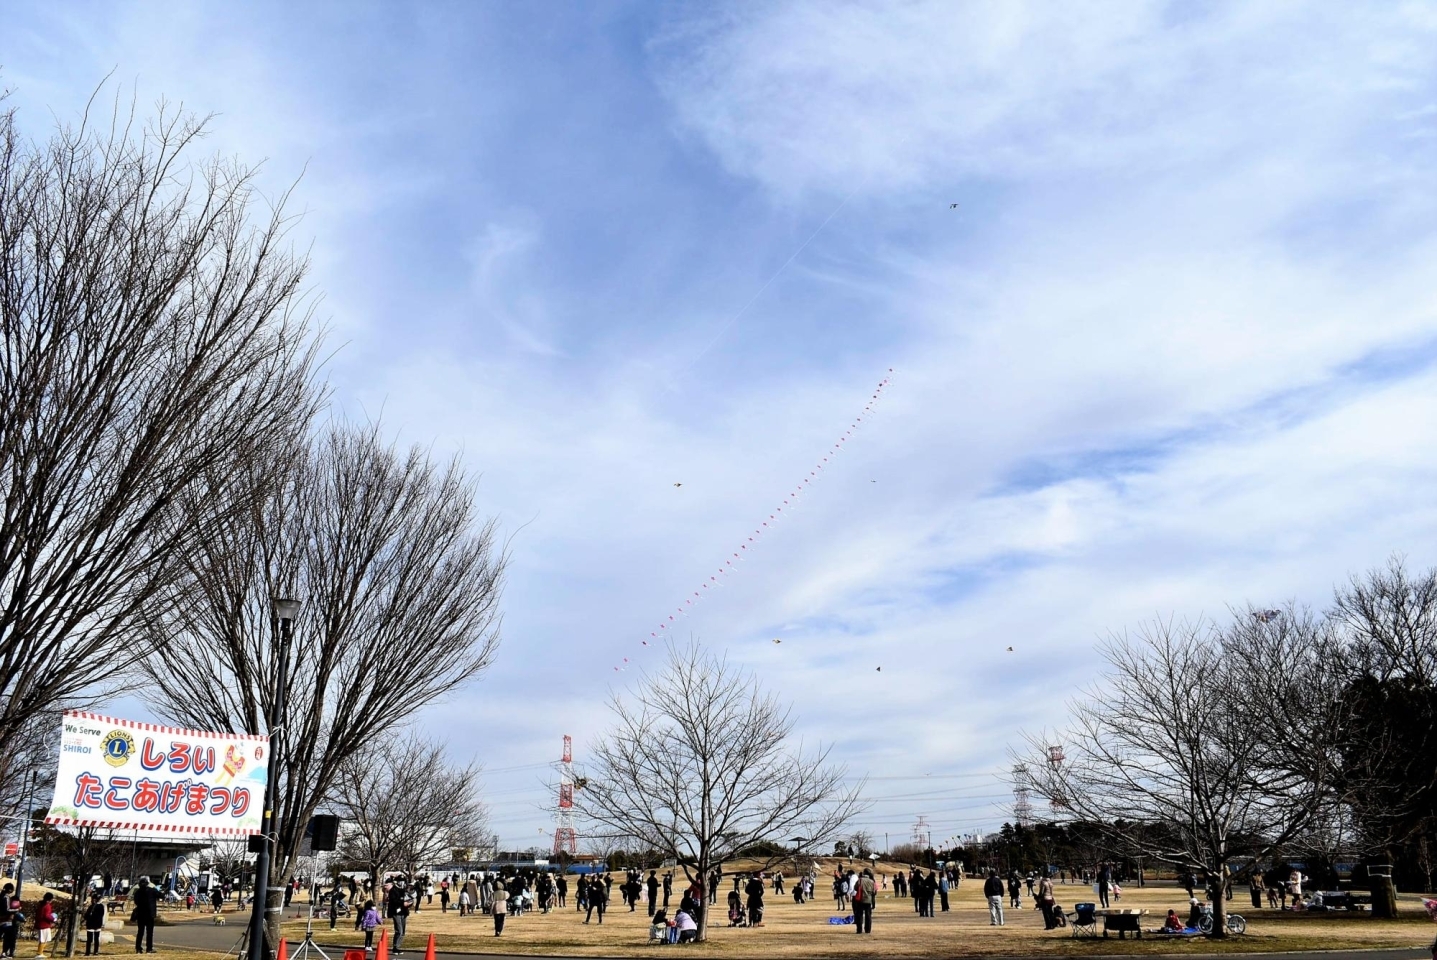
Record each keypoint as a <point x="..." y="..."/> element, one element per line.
<point x="429" y="949"/>
<point x="381" y="952"/>
<point x="283" y="953"/>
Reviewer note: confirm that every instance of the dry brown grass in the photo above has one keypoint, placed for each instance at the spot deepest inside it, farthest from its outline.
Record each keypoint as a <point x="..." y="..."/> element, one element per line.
<point x="792" y="930"/>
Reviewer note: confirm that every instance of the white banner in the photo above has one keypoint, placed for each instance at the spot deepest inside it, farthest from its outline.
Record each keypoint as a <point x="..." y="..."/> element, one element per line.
<point x="141" y="776"/>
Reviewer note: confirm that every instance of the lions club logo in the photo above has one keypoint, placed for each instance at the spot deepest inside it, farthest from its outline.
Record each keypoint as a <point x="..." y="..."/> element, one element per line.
<point x="117" y="747"/>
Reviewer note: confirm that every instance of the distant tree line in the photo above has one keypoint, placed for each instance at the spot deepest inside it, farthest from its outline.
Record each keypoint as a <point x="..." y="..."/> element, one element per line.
<point x="1277" y="733"/>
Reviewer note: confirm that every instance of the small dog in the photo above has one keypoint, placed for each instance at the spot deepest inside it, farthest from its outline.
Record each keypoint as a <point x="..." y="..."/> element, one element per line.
<point x="219" y="920"/>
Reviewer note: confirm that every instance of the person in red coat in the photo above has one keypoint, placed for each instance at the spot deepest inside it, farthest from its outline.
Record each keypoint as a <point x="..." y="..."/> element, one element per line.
<point x="45" y="922"/>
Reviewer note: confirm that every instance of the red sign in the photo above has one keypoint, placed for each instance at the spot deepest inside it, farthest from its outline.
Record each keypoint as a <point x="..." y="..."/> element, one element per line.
<point x="12" y="849"/>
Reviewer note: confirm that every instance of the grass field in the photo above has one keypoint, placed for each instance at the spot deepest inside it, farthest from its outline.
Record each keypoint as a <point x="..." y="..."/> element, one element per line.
<point x="793" y="930"/>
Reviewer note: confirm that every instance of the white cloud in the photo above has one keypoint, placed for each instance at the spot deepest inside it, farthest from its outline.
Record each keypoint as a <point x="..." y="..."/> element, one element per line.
<point x="1134" y="371"/>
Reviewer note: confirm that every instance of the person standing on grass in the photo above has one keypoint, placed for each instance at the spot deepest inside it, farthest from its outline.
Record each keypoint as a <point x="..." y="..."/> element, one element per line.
<point x="993" y="890"/>
<point x="1105" y="882"/>
<point x="500" y="909"/>
<point x="943" y="890"/>
<point x="632" y="887"/>
<point x="45" y="923"/>
<point x="865" y="895"/>
<point x="9" y="920"/>
<point x="94" y="923"/>
<point x="652" y="884"/>
<point x="147" y="908"/>
<point x="668" y="888"/>
<point x="754" y="890"/>
<point x="1046" y="898"/>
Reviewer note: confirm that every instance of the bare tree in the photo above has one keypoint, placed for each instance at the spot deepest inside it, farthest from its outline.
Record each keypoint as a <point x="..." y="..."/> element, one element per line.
<point x="1389" y="667"/>
<point x="83" y="852"/>
<point x="227" y="858"/>
<point x="27" y="769"/>
<point x="1202" y="746"/>
<point x="404" y="805"/>
<point x="698" y="766"/>
<point x="151" y="337"/>
<point x="401" y="584"/>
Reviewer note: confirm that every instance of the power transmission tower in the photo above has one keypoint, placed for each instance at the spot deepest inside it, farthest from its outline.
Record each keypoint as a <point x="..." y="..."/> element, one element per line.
<point x="1022" y="796"/>
<point x="565" y="839"/>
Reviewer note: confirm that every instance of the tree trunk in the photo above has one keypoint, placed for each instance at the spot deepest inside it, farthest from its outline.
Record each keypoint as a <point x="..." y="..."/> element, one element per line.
<point x="1219" y="902"/>
<point x="704" y="880"/>
<point x="273" y="917"/>
<point x="1384" y="897"/>
<point x="75" y="916"/>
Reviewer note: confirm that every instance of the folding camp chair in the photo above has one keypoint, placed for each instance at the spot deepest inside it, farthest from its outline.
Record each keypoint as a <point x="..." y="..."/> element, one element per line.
<point x="1085" y="920"/>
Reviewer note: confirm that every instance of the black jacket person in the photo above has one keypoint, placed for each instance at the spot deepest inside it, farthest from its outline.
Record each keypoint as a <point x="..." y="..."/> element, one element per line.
<point x="147" y="909"/>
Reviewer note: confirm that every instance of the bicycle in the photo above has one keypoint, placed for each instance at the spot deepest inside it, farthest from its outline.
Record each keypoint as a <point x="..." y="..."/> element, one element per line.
<point x="1236" y="923"/>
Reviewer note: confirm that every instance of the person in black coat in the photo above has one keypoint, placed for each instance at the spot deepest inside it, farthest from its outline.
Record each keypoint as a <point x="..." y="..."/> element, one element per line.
<point x="397" y="906"/>
<point x="598" y="899"/>
<point x="632" y="888"/>
<point x="94" y="923"/>
<point x="653" y="884"/>
<point x="754" y="889"/>
<point x="147" y="910"/>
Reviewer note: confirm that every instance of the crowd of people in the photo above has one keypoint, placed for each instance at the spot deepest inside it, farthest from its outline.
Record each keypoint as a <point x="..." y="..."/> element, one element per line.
<point x="512" y="892"/>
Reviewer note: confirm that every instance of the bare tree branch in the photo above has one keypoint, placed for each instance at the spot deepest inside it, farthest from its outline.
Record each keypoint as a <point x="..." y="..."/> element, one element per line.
<point x="401" y="584"/>
<point x="404" y="805"/>
<point x="698" y="767"/>
<point x="151" y="338"/>
<point x="1200" y="746"/>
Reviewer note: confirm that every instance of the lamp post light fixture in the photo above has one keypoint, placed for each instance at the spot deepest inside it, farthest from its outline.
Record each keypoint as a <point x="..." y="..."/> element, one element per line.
<point x="286" y="609"/>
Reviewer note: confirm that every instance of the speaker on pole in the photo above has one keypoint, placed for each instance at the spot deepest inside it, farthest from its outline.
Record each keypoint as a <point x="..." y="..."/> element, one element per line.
<point x="323" y="831"/>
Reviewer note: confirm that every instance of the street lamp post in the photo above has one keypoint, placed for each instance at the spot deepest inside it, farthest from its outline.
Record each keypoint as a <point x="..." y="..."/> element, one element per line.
<point x="24" y="835"/>
<point x="285" y="610"/>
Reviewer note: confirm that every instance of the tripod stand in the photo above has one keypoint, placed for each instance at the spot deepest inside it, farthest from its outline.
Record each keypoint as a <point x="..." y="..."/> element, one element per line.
<point x="309" y="946"/>
<point x="241" y="948"/>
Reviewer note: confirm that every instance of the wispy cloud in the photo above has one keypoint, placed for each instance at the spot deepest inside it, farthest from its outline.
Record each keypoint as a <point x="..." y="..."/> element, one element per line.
<point x="1174" y="349"/>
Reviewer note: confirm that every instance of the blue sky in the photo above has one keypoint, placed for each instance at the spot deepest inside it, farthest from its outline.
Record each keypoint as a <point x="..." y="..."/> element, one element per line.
<point x="1174" y="350"/>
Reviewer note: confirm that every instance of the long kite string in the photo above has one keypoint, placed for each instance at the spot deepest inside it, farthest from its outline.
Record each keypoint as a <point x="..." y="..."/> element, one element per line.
<point x="790" y="501"/>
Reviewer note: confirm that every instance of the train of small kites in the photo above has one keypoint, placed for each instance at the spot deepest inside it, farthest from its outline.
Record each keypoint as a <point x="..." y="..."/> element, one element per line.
<point x="766" y="526"/>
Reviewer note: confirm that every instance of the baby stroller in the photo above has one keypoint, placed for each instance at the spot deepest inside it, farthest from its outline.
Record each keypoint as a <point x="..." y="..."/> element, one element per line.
<point x="659" y="928"/>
